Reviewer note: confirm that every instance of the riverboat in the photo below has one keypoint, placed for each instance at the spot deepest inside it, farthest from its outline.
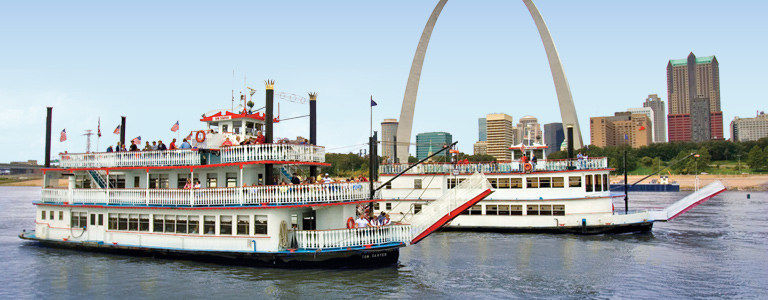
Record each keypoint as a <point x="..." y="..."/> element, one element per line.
<point x="552" y="195"/>
<point x="135" y="203"/>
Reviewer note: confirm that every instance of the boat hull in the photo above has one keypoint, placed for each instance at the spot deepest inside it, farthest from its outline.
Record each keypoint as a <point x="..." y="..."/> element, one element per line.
<point x="591" y="229"/>
<point x="358" y="257"/>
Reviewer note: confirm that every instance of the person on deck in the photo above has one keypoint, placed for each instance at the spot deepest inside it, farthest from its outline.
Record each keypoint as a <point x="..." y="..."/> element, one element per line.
<point x="327" y="179"/>
<point x="361" y="222"/>
<point x="173" y="145"/>
<point x="533" y="162"/>
<point x="386" y="221"/>
<point x="185" y="144"/>
<point x="295" y="179"/>
<point x="154" y="145"/>
<point x="147" y="147"/>
<point x="189" y="184"/>
<point x="260" y="138"/>
<point x="109" y="149"/>
<point x="134" y="147"/>
<point x="226" y="143"/>
<point x="237" y="141"/>
<point x="161" y="146"/>
<point x="580" y="158"/>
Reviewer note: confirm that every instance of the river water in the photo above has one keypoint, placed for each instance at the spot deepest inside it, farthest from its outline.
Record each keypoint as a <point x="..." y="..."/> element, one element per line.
<point x="717" y="250"/>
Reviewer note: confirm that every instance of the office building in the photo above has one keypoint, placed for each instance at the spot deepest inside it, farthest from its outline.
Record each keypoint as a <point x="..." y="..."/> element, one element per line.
<point x="624" y="128"/>
<point x="430" y="142"/>
<point x="749" y="129"/>
<point x="553" y="137"/>
<point x="388" y="132"/>
<point x="480" y="147"/>
<point x="659" y="119"/>
<point x="482" y="132"/>
<point x="500" y="135"/>
<point x="694" y="79"/>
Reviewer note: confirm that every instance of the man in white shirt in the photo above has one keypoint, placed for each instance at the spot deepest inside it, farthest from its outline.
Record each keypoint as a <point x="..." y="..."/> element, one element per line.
<point x="361" y="222"/>
<point x="327" y="179"/>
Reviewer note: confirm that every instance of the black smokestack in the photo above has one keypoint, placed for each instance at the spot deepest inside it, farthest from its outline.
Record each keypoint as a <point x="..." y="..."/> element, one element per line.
<point x="48" y="137"/>
<point x="122" y="132"/>
<point x="270" y="89"/>
<point x="313" y="127"/>
<point x="569" y="136"/>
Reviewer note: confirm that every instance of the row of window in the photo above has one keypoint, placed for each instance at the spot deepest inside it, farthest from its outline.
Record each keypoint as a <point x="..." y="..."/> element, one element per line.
<point x="159" y="181"/>
<point x="227" y="225"/>
<point x="51" y="216"/>
<point x="517" y="210"/>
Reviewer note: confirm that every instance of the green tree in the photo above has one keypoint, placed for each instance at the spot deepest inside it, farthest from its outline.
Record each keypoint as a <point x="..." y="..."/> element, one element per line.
<point x="656" y="165"/>
<point x="756" y="158"/>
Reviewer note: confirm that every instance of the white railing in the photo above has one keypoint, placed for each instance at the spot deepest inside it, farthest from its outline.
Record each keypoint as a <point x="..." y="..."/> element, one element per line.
<point x="180" y="157"/>
<point x="276" y="152"/>
<point x="339" y="238"/>
<point x="445" y="204"/>
<point x="256" y="195"/>
<point x="494" y="167"/>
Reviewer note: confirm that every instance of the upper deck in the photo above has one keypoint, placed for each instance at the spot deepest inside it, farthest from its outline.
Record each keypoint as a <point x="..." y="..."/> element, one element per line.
<point x="549" y="165"/>
<point x="195" y="157"/>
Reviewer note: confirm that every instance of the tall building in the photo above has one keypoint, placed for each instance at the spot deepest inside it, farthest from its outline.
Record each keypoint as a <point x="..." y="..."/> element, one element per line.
<point x="388" y="132"/>
<point x="646" y="111"/>
<point x="429" y="142"/>
<point x="553" y="137"/>
<point x="694" y="78"/>
<point x="749" y="129"/>
<point x="482" y="132"/>
<point x="528" y="130"/>
<point x="481" y="147"/>
<point x="659" y="117"/>
<point x="500" y="135"/>
<point x="624" y="128"/>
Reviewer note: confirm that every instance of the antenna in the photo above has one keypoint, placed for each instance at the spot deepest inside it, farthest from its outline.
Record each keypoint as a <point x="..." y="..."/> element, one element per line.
<point x="233" y="91"/>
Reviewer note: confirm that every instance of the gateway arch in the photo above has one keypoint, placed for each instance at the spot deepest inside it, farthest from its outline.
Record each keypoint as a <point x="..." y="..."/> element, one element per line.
<point x="564" y="98"/>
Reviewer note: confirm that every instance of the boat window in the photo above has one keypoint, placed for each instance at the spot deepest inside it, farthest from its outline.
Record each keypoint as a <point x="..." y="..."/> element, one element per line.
<point x="231" y="179"/>
<point x="158" y="223"/>
<point x="136" y="181"/>
<point x="545" y="210"/>
<point x="113" y="222"/>
<point x="476" y="210"/>
<point x="225" y="225"/>
<point x="545" y="182"/>
<point x="101" y="219"/>
<point x="493" y="181"/>
<point x="117" y="181"/>
<point x="154" y="181"/>
<point x="211" y="180"/>
<point x="574" y="181"/>
<point x="453" y="182"/>
<point x="61" y="215"/>
<point x="133" y="222"/>
<point x="209" y="223"/>
<point x="260" y="224"/>
<point x="181" y="224"/>
<point x="504" y="210"/>
<point x="388" y="186"/>
<point x="503" y="183"/>
<point x="605" y="182"/>
<point x="558" y="210"/>
<point x="491" y="209"/>
<point x="144" y="222"/>
<point x="170" y="223"/>
<point x="93" y="219"/>
<point x="417" y="208"/>
<point x="224" y="128"/>
<point x="376" y="206"/>
<point x="243" y="223"/>
<point x="533" y="182"/>
<point x="122" y="222"/>
<point x="163" y="181"/>
<point x="588" y="182"/>
<point x="181" y="181"/>
<point x="516" y="183"/>
<point x="388" y="206"/>
<point x="558" y="182"/>
<point x="50" y="215"/>
<point x="43" y="215"/>
<point x="598" y="183"/>
<point x="516" y="210"/>
<point x="532" y="210"/>
<point x="417" y="184"/>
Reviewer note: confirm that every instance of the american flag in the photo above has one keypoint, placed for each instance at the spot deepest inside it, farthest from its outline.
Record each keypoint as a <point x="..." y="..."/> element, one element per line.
<point x="63" y="135"/>
<point x="136" y="140"/>
<point x="175" y="127"/>
<point x="117" y="130"/>
<point x="98" y="128"/>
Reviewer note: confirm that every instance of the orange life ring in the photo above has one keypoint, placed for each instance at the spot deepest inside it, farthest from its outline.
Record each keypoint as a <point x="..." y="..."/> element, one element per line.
<point x="350" y="223"/>
<point x="200" y="136"/>
<point x="527" y="167"/>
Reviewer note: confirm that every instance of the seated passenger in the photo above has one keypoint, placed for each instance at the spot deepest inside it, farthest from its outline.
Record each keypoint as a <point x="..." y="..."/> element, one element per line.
<point x="226" y="143"/>
<point x="210" y="231"/>
<point x="260" y="139"/>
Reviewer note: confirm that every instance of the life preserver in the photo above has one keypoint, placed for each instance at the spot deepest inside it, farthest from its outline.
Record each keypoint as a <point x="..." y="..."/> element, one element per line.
<point x="200" y="136"/>
<point x="527" y="167"/>
<point x="350" y="223"/>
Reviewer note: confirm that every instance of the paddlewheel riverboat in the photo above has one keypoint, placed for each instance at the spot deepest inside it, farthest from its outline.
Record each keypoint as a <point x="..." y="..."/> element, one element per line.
<point x="135" y="203"/>
<point x="552" y="195"/>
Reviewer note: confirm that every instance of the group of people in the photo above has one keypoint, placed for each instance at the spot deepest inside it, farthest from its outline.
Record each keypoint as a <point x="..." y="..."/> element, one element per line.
<point x="155" y="146"/>
<point x="259" y="139"/>
<point x="524" y="160"/>
<point x="364" y="220"/>
<point x="582" y="158"/>
<point x="189" y="184"/>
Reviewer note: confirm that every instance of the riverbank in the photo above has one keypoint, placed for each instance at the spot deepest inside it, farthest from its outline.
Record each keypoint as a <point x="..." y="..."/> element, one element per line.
<point x="742" y="182"/>
<point x="31" y="182"/>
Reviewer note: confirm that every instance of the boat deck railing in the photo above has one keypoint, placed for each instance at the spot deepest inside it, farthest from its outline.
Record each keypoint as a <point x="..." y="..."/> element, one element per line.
<point x="496" y="167"/>
<point x="355" y="237"/>
<point x="233" y="196"/>
<point x="192" y="157"/>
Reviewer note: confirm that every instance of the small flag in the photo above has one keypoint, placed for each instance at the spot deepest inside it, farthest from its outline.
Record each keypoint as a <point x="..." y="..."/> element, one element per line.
<point x="642" y="127"/>
<point x="136" y="140"/>
<point x="63" y="135"/>
<point x="117" y="130"/>
<point x="373" y="103"/>
<point x="98" y="128"/>
<point x="175" y="127"/>
<point x="189" y="137"/>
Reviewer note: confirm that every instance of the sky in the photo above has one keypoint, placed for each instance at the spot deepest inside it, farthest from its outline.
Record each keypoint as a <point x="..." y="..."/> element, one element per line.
<point x="158" y="62"/>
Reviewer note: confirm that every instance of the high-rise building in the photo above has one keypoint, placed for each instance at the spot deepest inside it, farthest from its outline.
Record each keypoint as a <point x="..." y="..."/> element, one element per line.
<point x="553" y="137"/>
<point x="624" y="128"/>
<point x="646" y="111"/>
<point x="430" y="142"/>
<point x="694" y="78"/>
<point x="500" y="135"/>
<point x="659" y="119"/>
<point x="388" y="132"/>
<point x="528" y="130"/>
<point x="482" y="132"/>
<point x="749" y="129"/>
<point x="481" y="147"/>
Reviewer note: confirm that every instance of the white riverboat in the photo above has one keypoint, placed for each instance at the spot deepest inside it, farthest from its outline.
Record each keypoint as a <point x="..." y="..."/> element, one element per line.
<point x="554" y="196"/>
<point x="135" y="203"/>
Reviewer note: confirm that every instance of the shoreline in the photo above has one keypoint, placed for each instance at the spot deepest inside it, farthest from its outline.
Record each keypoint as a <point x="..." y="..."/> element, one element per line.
<point x="744" y="182"/>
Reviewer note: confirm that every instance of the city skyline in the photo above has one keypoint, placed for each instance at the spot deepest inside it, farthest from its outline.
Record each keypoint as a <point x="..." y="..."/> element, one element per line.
<point x="160" y="63"/>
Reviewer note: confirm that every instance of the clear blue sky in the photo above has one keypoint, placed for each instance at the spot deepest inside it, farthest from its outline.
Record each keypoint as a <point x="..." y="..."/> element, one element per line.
<point x="160" y="62"/>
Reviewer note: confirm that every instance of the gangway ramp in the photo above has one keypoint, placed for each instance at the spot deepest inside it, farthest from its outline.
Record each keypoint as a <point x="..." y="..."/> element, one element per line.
<point x="688" y="202"/>
<point x="448" y="206"/>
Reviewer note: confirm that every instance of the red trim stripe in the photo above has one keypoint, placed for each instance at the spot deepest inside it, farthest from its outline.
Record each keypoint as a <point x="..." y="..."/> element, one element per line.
<point x="450" y="216"/>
